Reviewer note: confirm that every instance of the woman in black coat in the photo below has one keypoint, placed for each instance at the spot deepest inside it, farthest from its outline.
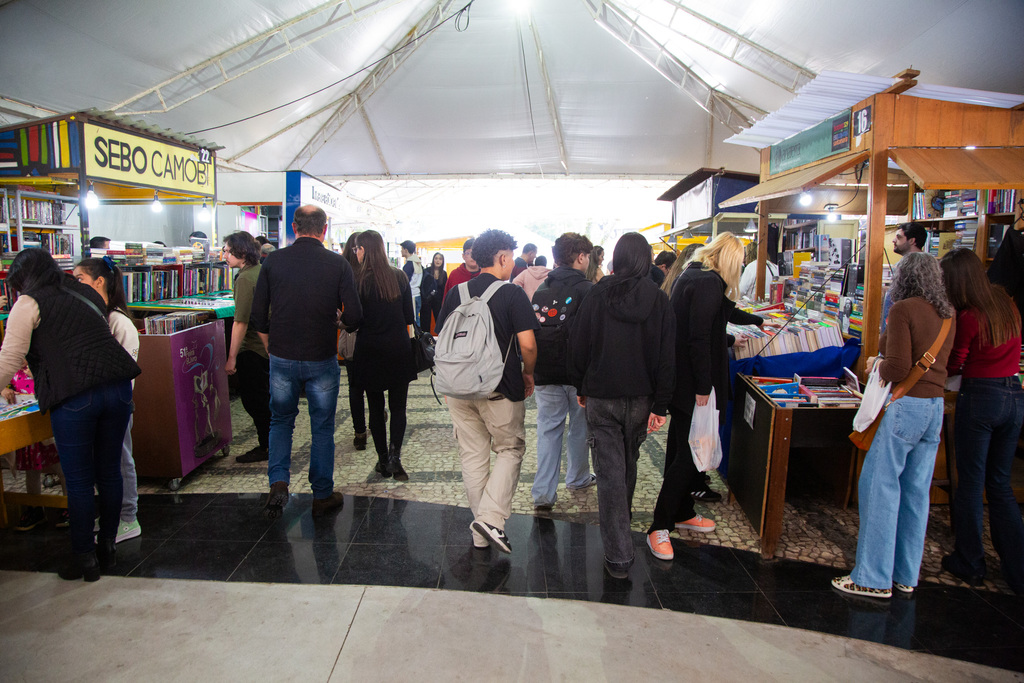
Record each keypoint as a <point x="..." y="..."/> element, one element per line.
<point x="432" y="291"/>
<point x="382" y="360"/>
<point x="703" y="300"/>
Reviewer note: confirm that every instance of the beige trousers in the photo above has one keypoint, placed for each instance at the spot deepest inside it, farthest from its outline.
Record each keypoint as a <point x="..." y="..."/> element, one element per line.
<point x="482" y="425"/>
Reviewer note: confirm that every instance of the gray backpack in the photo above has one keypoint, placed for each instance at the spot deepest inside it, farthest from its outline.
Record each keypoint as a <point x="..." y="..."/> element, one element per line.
<point x="467" y="358"/>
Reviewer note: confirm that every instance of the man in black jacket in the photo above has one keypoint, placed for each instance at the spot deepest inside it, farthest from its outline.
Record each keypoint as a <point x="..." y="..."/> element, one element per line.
<point x="298" y="295"/>
<point x="555" y="302"/>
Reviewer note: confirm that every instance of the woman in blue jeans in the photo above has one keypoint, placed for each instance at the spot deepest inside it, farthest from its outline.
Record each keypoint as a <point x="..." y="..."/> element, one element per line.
<point x="621" y="358"/>
<point x="896" y="477"/>
<point x="83" y="378"/>
<point x="989" y="412"/>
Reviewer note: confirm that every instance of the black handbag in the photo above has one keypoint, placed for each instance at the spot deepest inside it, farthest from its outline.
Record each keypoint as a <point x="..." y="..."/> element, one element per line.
<point x="422" y="349"/>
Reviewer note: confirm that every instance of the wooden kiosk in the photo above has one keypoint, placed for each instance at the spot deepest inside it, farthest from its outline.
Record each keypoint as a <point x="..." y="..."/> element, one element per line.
<point x="931" y="144"/>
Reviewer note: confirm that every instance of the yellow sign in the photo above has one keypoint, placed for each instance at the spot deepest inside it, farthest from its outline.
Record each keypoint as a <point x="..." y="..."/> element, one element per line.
<point x="120" y="156"/>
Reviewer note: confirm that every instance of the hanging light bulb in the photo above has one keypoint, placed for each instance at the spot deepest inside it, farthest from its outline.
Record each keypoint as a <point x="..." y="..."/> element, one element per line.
<point x="204" y="213"/>
<point x="751" y="226"/>
<point x="91" y="200"/>
<point x="832" y="215"/>
<point x="805" y="199"/>
<point x="156" y="205"/>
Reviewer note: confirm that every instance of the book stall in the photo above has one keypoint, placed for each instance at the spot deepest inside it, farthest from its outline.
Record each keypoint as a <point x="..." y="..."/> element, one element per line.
<point x="64" y="178"/>
<point x="957" y="168"/>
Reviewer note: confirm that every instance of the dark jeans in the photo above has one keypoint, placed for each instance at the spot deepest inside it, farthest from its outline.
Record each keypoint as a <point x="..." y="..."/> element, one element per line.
<point x="617" y="428"/>
<point x="89" y="429"/>
<point x="397" y="398"/>
<point x="429" y="307"/>
<point x="253" y="372"/>
<point x="356" y="406"/>
<point x="989" y="413"/>
<point x="681" y="476"/>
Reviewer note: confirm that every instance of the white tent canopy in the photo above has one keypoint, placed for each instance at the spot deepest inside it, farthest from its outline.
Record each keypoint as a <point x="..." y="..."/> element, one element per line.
<point x="577" y="87"/>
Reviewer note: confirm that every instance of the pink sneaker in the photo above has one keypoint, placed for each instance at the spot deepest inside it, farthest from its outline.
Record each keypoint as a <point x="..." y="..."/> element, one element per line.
<point x="660" y="545"/>
<point x="698" y="523"/>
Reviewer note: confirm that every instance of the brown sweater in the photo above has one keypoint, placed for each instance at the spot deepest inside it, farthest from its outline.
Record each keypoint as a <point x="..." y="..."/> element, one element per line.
<point x="913" y="327"/>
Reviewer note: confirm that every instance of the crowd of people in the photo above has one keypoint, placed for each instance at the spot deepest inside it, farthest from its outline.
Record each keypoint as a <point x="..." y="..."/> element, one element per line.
<point x="608" y="356"/>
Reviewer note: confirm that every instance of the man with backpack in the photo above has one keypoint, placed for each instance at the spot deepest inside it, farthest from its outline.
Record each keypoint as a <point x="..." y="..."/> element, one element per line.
<point x="555" y="302"/>
<point x="484" y="327"/>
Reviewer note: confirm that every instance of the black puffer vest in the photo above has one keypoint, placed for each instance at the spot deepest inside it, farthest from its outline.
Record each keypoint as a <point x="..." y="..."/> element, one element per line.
<point x="73" y="350"/>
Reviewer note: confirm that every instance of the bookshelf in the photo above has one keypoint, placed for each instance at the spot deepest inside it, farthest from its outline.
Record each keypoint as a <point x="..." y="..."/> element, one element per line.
<point x="977" y="217"/>
<point x="40" y="219"/>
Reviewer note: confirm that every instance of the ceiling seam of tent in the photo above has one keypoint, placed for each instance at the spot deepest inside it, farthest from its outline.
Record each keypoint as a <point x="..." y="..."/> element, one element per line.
<point x="549" y="92"/>
<point x="331" y="25"/>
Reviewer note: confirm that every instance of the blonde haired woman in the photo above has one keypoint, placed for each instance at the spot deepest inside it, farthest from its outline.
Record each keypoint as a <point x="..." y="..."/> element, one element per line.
<point x="704" y="300"/>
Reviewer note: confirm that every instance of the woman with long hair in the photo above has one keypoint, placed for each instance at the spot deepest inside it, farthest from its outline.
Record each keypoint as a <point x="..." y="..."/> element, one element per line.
<point x="382" y="361"/>
<point x="594" y="272"/>
<point x="356" y="406"/>
<point x="673" y="272"/>
<point x="435" y="277"/>
<point x="989" y="412"/>
<point x="897" y="474"/>
<point x="103" y="276"/>
<point x="620" y="359"/>
<point x="83" y="378"/>
<point x="703" y="300"/>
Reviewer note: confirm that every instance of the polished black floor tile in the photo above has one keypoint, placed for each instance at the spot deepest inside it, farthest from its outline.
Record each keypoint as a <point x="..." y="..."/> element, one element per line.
<point x="298" y="524"/>
<point x="580" y="569"/>
<point x="403" y="522"/>
<point x="489" y="570"/>
<point x="951" y="617"/>
<point x="890" y="622"/>
<point x="613" y="595"/>
<point x="1011" y="606"/>
<point x="753" y="606"/>
<point x="194" y="559"/>
<point x="1011" y="658"/>
<point x="787" y="575"/>
<point x="299" y="562"/>
<point x="417" y="566"/>
<point x="164" y="520"/>
<point x="195" y="500"/>
<point x="33" y="550"/>
<point x="225" y="523"/>
<point x="697" y="569"/>
<point x="132" y="553"/>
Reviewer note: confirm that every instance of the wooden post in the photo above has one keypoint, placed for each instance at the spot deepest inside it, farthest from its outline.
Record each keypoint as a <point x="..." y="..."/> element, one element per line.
<point x="883" y="113"/>
<point x="762" y="249"/>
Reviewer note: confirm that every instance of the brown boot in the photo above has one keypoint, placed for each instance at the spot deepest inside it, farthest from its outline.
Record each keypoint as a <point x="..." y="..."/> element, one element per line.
<point x="321" y="506"/>
<point x="277" y="499"/>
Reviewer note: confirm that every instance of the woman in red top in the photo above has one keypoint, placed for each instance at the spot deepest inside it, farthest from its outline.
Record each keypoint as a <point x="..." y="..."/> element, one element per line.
<point x="989" y="412"/>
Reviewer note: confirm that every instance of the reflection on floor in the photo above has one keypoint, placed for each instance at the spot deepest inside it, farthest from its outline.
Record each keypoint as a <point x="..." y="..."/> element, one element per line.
<point x="381" y="541"/>
<point x="815" y="529"/>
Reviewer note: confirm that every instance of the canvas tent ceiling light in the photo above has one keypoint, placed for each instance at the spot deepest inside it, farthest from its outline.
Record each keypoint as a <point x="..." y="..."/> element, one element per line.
<point x="578" y="87"/>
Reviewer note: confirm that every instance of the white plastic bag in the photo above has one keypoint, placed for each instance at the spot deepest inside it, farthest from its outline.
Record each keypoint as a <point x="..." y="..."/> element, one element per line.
<point x="705" y="444"/>
<point x="876" y="395"/>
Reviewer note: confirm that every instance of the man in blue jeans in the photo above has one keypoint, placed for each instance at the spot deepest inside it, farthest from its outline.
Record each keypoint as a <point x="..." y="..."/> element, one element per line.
<point x="555" y="302"/>
<point x="298" y="295"/>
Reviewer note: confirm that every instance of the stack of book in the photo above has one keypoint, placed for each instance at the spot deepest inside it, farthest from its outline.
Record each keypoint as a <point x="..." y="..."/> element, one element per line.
<point x="1002" y="201"/>
<point x="776" y="338"/>
<point x="174" y="322"/>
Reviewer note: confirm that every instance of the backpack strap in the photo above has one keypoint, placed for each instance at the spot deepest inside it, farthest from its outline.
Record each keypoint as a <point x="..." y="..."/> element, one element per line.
<point x="491" y="289"/>
<point x="464" y="293"/>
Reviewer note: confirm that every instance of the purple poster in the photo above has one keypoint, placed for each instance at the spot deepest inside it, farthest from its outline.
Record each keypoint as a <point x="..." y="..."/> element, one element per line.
<point x="200" y="392"/>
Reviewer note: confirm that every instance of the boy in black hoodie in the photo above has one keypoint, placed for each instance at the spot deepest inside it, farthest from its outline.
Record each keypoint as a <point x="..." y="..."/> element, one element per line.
<point x="622" y="363"/>
<point x="555" y="302"/>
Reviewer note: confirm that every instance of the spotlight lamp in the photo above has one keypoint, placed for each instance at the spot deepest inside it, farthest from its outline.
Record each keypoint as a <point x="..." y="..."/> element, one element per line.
<point x="204" y="213"/>
<point x="91" y="200"/>
<point x="156" y="205"/>
<point x="832" y="215"/>
<point x="805" y="199"/>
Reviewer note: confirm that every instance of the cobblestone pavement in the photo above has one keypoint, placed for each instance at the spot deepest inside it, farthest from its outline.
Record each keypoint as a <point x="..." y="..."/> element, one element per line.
<point x="815" y="529"/>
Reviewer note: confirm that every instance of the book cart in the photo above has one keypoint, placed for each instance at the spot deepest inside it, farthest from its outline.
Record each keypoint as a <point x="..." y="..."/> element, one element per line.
<point x="182" y="406"/>
<point x="934" y="145"/>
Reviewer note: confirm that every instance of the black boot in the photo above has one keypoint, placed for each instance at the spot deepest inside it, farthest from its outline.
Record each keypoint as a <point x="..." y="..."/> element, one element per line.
<point x="106" y="553"/>
<point x="395" y="464"/>
<point x="360" y="441"/>
<point x="81" y="565"/>
<point x="381" y="467"/>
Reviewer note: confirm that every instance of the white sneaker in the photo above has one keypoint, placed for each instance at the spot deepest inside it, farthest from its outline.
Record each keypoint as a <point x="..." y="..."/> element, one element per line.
<point x="126" y="530"/>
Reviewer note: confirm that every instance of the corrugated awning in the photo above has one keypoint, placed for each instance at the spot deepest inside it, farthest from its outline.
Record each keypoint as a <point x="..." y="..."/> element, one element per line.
<point x="797" y="181"/>
<point x="935" y="168"/>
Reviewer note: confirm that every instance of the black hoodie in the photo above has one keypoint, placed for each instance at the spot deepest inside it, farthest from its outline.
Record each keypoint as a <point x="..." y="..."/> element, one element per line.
<point x="556" y="303"/>
<point x="623" y="342"/>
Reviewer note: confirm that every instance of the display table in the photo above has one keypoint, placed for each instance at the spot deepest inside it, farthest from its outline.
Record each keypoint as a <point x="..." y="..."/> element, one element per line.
<point x="18" y="432"/>
<point x="763" y="434"/>
<point x="182" y="407"/>
<point x="220" y="304"/>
